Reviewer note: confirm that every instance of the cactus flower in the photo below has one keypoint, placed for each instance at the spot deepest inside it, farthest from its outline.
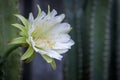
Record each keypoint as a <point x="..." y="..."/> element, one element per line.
<point x="46" y="34"/>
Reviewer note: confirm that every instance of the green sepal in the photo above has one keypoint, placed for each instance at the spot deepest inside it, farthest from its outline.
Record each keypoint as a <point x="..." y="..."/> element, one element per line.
<point x="53" y="64"/>
<point x="49" y="60"/>
<point x="48" y="9"/>
<point x="39" y="10"/>
<point x="22" y="28"/>
<point x="23" y="20"/>
<point x="28" y="42"/>
<point x="19" y="40"/>
<point x="28" y="53"/>
<point x="30" y="58"/>
<point x="22" y="34"/>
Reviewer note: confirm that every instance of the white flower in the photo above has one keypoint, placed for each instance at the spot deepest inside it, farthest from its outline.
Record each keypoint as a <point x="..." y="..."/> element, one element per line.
<point x="46" y="34"/>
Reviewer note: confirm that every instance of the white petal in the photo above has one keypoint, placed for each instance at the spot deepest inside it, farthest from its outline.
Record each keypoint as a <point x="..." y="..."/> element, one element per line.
<point x="67" y="45"/>
<point x="62" y="28"/>
<point x="53" y="13"/>
<point x="63" y="38"/>
<point x="42" y="15"/>
<point x="54" y="54"/>
<point x="33" y="44"/>
<point x="31" y="29"/>
<point x="30" y="23"/>
<point x="31" y="18"/>
<point x="38" y="21"/>
<point x="60" y="18"/>
<point x="61" y="51"/>
<point x="51" y="54"/>
<point x="60" y="37"/>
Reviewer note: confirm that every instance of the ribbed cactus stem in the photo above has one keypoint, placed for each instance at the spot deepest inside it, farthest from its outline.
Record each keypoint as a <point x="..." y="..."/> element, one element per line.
<point x="118" y="40"/>
<point x="107" y="53"/>
<point x="71" y="59"/>
<point x="99" y="39"/>
<point x="78" y="15"/>
<point x="10" y="67"/>
<point x="92" y="22"/>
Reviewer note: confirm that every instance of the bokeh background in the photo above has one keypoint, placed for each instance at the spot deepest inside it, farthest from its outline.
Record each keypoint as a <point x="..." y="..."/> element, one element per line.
<point x="96" y="32"/>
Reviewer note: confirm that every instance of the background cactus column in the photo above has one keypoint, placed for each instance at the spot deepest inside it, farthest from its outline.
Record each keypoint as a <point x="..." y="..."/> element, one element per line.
<point x="10" y="69"/>
<point x="99" y="39"/>
<point x="70" y="70"/>
<point x="90" y="58"/>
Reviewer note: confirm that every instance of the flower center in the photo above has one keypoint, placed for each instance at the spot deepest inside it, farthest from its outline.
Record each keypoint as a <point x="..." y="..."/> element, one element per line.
<point x="44" y="44"/>
<point x="41" y="39"/>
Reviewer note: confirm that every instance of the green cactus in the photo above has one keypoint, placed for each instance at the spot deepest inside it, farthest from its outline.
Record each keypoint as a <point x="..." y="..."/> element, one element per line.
<point x="71" y="58"/>
<point x="10" y="68"/>
<point x="99" y="39"/>
<point x="96" y="33"/>
<point x="90" y="20"/>
<point x="118" y="40"/>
